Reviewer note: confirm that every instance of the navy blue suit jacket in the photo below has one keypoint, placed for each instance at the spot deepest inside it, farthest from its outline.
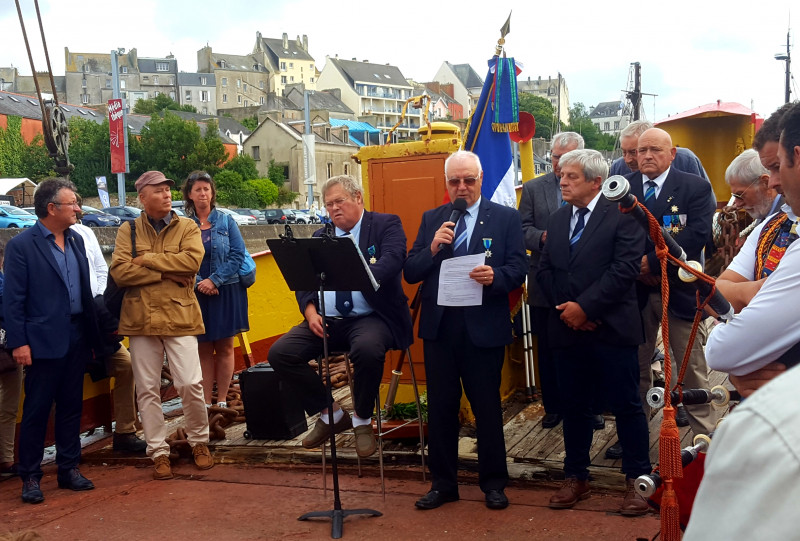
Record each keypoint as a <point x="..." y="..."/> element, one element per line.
<point x="489" y="325"/>
<point x="599" y="274"/>
<point x="686" y="204"/>
<point x="36" y="299"/>
<point x="385" y="233"/>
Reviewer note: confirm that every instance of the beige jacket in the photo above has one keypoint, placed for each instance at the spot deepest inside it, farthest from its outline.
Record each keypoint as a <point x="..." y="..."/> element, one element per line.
<point x="154" y="306"/>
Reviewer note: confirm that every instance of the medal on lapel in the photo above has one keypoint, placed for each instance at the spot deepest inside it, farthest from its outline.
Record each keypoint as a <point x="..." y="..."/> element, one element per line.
<point x="487" y="243"/>
<point x="371" y="252"/>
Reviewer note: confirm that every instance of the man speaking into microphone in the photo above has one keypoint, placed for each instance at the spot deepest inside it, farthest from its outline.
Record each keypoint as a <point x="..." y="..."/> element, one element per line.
<point x="465" y="331"/>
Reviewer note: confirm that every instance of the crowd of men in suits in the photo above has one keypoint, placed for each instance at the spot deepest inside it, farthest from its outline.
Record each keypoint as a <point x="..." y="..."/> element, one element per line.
<point x="595" y="294"/>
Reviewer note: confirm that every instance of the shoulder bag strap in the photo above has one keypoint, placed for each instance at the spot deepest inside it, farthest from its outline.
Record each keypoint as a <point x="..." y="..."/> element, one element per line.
<point x="133" y="239"/>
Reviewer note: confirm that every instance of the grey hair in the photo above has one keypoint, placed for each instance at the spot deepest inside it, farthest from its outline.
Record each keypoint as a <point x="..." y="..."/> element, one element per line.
<point x="635" y="128"/>
<point x="567" y="138"/>
<point x="590" y="161"/>
<point x="745" y="168"/>
<point x="458" y="154"/>
<point x="348" y="184"/>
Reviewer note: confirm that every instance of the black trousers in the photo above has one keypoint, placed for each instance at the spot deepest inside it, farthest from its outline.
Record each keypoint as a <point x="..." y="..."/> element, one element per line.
<point x="450" y="362"/>
<point x="58" y="381"/>
<point x="602" y="373"/>
<point x="365" y="338"/>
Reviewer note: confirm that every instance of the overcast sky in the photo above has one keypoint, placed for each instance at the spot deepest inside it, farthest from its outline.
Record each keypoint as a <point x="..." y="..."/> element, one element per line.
<point x="691" y="52"/>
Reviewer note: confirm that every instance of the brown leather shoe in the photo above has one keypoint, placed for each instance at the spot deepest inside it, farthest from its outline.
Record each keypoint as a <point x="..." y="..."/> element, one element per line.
<point x="366" y="445"/>
<point x="162" y="468"/>
<point x="321" y="431"/>
<point x="202" y="456"/>
<point x="570" y="492"/>
<point x="634" y="505"/>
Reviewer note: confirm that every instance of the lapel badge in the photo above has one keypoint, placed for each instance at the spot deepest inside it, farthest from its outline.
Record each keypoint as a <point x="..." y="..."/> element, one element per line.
<point x="371" y="252"/>
<point x="674" y="209"/>
<point x="487" y="243"/>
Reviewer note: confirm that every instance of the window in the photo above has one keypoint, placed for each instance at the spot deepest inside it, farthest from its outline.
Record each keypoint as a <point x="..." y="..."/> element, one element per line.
<point x="224" y="98"/>
<point x="84" y="98"/>
<point x="257" y="153"/>
<point x="156" y="93"/>
<point x="124" y="69"/>
<point x="162" y="66"/>
<point x="311" y="80"/>
<point x="246" y="103"/>
<point x="224" y="81"/>
<point x="239" y="99"/>
<point x="607" y="126"/>
<point x="108" y="83"/>
<point x="204" y="81"/>
<point x="616" y="124"/>
<point x="311" y="66"/>
<point x="283" y="66"/>
<point x="329" y="169"/>
<point x="261" y="100"/>
<point x="86" y="68"/>
<point x="283" y="79"/>
<point x="222" y="64"/>
<point x="245" y="88"/>
<point x="172" y="81"/>
<point x="187" y="96"/>
<point x="261" y="85"/>
<point x="145" y="78"/>
<point x="238" y="83"/>
<point x="155" y="79"/>
<point x="291" y="78"/>
<point x="291" y="65"/>
<point x="346" y="168"/>
<point x="122" y="84"/>
<point x="204" y="95"/>
<point x="83" y="83"/>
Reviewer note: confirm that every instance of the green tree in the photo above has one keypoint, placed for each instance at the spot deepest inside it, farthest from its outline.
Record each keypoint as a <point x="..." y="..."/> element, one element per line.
<point x="286" y="196"/>
<point x="244" y="165"/>
<point x="209" y="153"/>
<point x="266" y="190"/>
<point x="542" y="111"/>
<point x="89" y="152"/>
<point x="160" y="103"/>
<point x="251" y="123"/>
<point x="11" y="148"/>
<point x="275" y="174"/>
<point x="580" y="122"/>
<point x="36" y="161"/>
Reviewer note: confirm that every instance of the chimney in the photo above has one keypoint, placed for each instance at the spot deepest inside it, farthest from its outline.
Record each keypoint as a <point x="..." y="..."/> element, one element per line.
<point x="305" y="42"/>
<point x="285" y="40"/>
<point x="365" y="61"/>
<point x="449" y="89"/>
<point x="298" y="42"/>
<point x="355" y="59"/>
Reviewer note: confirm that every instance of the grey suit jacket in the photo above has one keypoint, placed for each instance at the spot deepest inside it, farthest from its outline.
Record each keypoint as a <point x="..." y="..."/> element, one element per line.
<point x="540" y="198"/>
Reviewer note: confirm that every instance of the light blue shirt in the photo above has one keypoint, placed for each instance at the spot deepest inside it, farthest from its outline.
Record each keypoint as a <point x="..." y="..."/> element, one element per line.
<point x="360" y="305"/>
<point x="573" y="221"/>
<point x="659" y="180"/>
<point x="470" y="218"/>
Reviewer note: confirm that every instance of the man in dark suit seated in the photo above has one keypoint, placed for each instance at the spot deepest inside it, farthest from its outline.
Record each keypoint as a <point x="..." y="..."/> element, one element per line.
<point x="365" y="323"/>
<point x="588" y="273"/>
<point x="465" y="345"/>
<point x="49" y="317"/>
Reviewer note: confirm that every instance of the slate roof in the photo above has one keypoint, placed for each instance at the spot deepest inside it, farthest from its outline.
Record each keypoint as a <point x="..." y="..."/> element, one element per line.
<point x="275" y="46"/>
<point x="468" y="77"/>
<point x="148" y="65"/>
<point x="224" y="123"/>
<point x="366" y="72"/>
<point x="319" y="100"/>
<point x="607" y="109"/>
<point x="193" y="79"/>
<point x="237" y="62"/>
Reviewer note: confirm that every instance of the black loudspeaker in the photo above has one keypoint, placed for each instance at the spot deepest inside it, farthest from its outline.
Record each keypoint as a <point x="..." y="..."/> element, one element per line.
<point x="272" y="411"/>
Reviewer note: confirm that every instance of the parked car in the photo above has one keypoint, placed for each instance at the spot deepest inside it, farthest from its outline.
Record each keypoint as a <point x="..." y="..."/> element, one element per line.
<point x="257" y="214"/>
<point x="97" y="218"/>
<point x="303" y="217"/>
<point x="240" y="219"/>
<point x="125" y="214"/>
<point x="11" y="216"/>
<point x="279" y="216"/>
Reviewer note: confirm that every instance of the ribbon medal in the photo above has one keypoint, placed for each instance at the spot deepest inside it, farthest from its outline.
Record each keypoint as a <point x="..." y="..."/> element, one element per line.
<point x="371" y="252"/>
<point x="487" y="243"/>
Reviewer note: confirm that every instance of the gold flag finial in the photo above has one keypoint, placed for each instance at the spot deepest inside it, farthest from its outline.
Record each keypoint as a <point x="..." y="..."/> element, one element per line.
<point x="503" y="32"/>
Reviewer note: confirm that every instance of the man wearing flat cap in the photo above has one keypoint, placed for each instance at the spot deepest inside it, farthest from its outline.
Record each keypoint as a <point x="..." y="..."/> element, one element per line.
<point x="160" y="314"/>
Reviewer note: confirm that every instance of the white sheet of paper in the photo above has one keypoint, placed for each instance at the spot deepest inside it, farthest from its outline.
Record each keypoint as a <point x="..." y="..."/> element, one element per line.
<point x="456" y="288"/>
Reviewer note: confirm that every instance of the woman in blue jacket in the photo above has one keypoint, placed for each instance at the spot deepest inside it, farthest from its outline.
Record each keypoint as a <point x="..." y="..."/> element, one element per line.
<point x="222" y="298"/>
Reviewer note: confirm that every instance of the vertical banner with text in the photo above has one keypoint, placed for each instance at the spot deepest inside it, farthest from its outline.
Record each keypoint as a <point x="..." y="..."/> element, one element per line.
<point x="102" y="191"/>
<point x="116" y="129"/>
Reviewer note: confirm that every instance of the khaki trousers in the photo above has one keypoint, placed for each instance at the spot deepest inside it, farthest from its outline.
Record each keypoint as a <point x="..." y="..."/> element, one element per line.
<point x="147" y="358"/>
<point x="124" y="391"/>
<point x="702" y="417"/>
<point x="10" y="388"/>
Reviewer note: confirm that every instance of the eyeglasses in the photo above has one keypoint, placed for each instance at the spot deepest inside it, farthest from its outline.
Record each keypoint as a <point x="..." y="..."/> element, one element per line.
<point x="335" y="203"/>
<point x="74" y="204"/>
<point x="200" y="176"/>
<point x="740" y="196"/>
<point x="468" y="181"/>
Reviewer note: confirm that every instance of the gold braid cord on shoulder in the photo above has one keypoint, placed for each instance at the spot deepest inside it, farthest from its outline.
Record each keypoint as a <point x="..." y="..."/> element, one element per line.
<point x="766" y="238"/>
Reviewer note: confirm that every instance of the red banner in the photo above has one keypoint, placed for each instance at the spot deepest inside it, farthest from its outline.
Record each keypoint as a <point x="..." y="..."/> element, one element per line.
<point x="116" y="128"/>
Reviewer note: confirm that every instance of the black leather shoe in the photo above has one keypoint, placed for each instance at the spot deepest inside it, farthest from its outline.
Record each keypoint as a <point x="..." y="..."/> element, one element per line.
<point x="31" y="493"/>
<point x="496" y="499"/>
<point x="614" y="452"/>
<point x="434" y="499"/>
<point x="550" y="420"/>
<point x="128" y="443"/>
<point x="681" y="416"/>
<point x="73" y="480"/>
<point x="598" y="422"/>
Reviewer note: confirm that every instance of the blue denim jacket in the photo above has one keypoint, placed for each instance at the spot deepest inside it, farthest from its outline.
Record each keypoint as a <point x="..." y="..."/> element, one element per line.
<point x="227" y="249"/>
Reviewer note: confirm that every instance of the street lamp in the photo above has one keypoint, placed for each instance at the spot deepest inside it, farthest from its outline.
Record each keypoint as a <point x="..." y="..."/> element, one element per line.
<point x="788" y="58"/>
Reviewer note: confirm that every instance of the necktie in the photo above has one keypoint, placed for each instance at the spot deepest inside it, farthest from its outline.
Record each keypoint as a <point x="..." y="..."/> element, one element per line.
<point x="344" y="299"/>
<point x="578" y="231"/>
<point x="460" y="246"/>
<point x="650" y="195"/>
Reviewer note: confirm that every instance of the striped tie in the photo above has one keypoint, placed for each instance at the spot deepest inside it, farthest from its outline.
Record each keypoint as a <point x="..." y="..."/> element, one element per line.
<point x="650" y="195"/>
<point x="460" y="246"/>
<point x="578" y="231"/>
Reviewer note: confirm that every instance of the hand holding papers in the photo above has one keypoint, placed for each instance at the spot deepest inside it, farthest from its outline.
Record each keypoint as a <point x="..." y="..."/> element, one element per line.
<point x="456" y="288"/>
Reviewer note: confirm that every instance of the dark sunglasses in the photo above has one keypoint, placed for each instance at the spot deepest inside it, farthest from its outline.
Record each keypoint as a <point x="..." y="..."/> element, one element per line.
<point x="469" y="181"/>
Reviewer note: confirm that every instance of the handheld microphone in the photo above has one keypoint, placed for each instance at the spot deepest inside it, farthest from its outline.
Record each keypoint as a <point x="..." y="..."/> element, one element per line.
<point x="459" y="208"/>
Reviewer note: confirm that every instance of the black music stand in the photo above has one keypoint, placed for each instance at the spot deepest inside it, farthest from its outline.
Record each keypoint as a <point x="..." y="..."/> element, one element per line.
<point x="333" y="264"/>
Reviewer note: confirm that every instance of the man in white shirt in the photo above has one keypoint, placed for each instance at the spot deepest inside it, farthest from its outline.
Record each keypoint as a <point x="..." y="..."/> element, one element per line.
<point x="118" y="363"/>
